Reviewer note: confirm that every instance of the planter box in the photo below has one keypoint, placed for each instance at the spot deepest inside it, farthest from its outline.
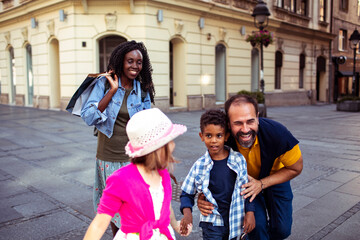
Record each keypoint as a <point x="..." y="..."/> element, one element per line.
<point x="262" y="110"/>
<point x="348" y="106"/>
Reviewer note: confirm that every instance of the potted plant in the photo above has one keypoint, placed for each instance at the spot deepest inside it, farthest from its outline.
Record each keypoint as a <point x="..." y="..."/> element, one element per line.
<point x="263" y="36"/>
<point x="260" y="98"/>
<point x="348" y="103"/>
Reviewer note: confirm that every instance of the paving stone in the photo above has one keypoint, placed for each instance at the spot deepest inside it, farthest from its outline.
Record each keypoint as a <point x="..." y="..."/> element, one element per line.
<point x="342" y="176"/>
<point x="351" y="187"/>
<point x="85" y="208"/>
<point x="43" y="227"/>
<point x="344" y="227"/>
<point x="319" y="189"/>
<point x="22" y="198"/>
<point x="34" y="207"/>
<point x="333" y="203"/>
<point x="308" y="175"/>
<point x="10" y="188"/>
<point x="300" y="201"/>
<point x="306" y="222"/>
<point x="68" y="164"/>
<point x="7" y="145"/>
<point x="40" y="155"/>
<point x="8" y="214"/>
<point x="83" y="176"/>
<point x="79" y="234"/>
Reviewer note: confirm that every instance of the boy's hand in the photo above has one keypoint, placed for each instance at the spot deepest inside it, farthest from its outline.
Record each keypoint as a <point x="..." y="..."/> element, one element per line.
<point x="185" y="231"/>
<point x="204" y="206"/>
<point x="186" y="222"/>
<point x="249" y="222"/>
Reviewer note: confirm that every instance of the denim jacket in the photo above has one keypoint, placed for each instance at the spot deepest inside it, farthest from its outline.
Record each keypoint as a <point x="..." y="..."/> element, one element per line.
<point x="104" y="121"/>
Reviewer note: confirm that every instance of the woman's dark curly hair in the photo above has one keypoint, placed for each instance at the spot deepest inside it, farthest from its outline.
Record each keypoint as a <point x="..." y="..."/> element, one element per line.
<point x="145" y="76"/>
<point x="213" y="116"/>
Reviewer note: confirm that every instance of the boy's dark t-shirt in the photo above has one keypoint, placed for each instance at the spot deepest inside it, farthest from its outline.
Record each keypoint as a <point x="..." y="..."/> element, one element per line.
<point x="221" y="186"/>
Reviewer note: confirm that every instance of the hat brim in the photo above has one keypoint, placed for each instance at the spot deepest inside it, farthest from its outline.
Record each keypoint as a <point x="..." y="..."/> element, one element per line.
<point x="177" y="129"/>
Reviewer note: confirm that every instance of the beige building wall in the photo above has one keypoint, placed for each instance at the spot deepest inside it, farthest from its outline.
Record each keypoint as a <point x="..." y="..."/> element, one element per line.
<point x="63" y="53"/>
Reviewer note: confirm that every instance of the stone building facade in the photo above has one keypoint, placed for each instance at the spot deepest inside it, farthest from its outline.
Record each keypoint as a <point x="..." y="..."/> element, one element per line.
<point x="197" y="49"/>
<point x="345" y="19"/>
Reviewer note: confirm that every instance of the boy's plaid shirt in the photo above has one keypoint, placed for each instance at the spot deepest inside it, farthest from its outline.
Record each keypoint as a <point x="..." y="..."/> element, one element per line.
<point x="198" y="178"/>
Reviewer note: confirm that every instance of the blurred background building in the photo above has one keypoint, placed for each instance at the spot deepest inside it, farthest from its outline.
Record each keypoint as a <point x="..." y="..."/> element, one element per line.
<point x="198" y="49"/>
<point x="345" y="20"/>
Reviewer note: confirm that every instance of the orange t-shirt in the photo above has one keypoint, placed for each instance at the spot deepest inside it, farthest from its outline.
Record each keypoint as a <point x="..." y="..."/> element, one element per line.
<point x="253" y="158"/>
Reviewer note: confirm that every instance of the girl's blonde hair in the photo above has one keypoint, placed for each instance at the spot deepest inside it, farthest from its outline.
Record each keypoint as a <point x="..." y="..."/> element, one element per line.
<point x="152" y="160"/>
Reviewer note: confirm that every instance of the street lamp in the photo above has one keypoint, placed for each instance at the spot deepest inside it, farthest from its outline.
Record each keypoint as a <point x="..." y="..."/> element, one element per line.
<point x="261" y="14"/>
<point x="354" y="41"/>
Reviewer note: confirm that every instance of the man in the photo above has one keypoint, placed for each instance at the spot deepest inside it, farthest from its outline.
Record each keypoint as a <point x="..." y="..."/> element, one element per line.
<point x="273" y="158"/>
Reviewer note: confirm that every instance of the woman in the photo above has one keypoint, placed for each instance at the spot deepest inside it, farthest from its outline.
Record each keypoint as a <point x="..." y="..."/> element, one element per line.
<point x="126" y="89"/>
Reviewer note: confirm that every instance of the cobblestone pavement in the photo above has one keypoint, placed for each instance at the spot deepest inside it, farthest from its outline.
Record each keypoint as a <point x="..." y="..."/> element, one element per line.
<point x="47" y="167"/>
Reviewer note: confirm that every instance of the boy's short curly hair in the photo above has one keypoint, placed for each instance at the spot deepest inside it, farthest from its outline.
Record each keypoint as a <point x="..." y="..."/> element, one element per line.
<point x="213" y="116"/>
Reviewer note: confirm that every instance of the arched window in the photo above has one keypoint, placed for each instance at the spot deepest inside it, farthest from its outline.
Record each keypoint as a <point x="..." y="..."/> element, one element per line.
<point x="220" y="73"/>
<point x="177" y="86"/>
<point x="54" y="66"/>
<point x="278" y="66"/>
<point x="106" y="46"/>
<point x="254" y="70"/>
<point x="29" y="75"/>
<point x="12" y="75"/>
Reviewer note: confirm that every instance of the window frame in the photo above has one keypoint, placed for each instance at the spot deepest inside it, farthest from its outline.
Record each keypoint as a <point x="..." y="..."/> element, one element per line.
<point x="302" y="66"/>
<point x="342" y="46"/>
<point x="278" y="67"/>
<point x="343" y="5"/>
<point x="322" y="9"/>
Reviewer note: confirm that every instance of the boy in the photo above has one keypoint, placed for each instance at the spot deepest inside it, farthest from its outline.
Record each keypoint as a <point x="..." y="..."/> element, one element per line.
<point x="218" y="174"/>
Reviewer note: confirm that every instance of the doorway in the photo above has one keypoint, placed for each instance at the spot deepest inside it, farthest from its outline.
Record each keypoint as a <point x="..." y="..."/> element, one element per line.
<point x="54" y="76"/>
<point x="320" y="79"/>
<point x="255" y="70"/>
<point x="29" y="75"/>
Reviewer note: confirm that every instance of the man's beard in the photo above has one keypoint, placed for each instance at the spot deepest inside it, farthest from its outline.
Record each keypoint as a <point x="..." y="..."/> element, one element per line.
<point x="246" y="144"/>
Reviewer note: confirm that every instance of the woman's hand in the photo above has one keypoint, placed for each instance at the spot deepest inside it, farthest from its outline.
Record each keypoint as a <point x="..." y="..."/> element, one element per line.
<point x="114" y="83"/>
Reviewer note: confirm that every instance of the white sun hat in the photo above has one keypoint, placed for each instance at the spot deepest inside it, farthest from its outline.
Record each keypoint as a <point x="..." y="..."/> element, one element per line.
<point x="148" y="130"/>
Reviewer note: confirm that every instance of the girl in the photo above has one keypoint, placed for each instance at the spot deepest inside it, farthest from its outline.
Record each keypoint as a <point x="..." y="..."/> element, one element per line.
<point x="126" y="89"/>
<point x="141" y="192"/>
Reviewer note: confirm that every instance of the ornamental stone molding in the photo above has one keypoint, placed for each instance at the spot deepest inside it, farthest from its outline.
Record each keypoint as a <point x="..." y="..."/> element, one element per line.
<point x="110" y="20"/>
<point x="303" y="47"/>
<point x="51" y="27"/>
<point x="222" y="33"/>
<point x="322" y="50"/>
<point x="179" y="24"/>
<point x="280" y="42"/>
<point x="7" y="37"/>
<point x="24" y="33"/>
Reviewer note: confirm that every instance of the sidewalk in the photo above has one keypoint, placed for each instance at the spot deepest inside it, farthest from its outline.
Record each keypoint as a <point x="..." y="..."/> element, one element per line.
<point x="47" y="168"/>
